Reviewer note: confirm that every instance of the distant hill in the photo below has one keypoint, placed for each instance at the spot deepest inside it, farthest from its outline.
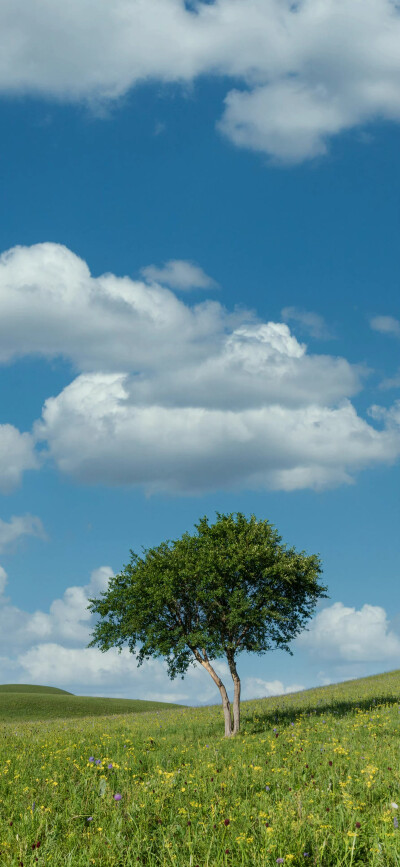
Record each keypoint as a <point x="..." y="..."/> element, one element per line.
<point x="28" y="687"/>
<point x="19" y="702"/>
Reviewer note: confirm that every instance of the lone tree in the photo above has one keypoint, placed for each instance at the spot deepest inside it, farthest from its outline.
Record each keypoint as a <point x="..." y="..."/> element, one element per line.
<point x="229" y="587"/>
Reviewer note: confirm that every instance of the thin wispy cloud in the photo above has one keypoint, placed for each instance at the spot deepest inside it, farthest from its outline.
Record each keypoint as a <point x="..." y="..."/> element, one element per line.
<point x="308" y="322"/>
<point x="386" y="325"/>
<point x="179" y="274"/>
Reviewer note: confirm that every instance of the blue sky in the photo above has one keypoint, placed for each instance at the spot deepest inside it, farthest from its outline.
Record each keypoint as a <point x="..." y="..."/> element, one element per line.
<point x="199" y="312"/>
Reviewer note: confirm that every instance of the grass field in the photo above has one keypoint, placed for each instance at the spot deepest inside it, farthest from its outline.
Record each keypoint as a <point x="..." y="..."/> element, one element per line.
<point x="47" y="703"/>
<point x="313" y="778"/>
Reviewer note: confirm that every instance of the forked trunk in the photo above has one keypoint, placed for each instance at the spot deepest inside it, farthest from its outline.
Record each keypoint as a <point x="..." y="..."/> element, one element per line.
<point x="217" y="680"/>
<point x="236" y="695"/>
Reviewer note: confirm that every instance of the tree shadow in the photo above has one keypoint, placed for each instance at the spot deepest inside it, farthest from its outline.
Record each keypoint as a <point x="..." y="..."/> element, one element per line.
<point x="258" y="720"/>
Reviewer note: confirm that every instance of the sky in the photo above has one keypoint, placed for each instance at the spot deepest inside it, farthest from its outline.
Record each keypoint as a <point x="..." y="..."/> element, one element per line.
<point x="199" y="313"/>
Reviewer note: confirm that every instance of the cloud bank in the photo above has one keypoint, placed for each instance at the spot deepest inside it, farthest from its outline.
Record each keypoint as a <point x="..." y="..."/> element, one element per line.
<point x="301" y="72"/>
<point x="177" y="397"/>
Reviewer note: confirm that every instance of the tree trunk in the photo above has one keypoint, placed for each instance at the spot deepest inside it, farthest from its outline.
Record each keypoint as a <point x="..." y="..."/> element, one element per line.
<point x="236" y="695"/>
<point x="217" y="680"/>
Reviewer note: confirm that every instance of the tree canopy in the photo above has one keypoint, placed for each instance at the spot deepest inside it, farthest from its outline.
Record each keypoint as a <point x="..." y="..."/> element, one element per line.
<point x="230" y="587"/>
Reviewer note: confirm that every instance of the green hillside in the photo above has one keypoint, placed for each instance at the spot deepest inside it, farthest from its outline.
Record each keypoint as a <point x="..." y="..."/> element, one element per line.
<point x="28" y="687"/>
<point x="312" y="779"/>
<point x="47" y="704"/>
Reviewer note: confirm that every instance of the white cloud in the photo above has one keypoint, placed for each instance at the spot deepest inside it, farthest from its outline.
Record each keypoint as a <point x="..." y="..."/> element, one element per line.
<point x="16" y="455"/>
<point x="390" y="382"/>
<point x="343" y="634"/>
<point x="179" y="274"/>
<point x="68" y="619"/>
<point x="3" y="580"/>
<point x="256" y="687"/>
<point x="98" y="433"/>
<point x="310" y="322"/>
<point x="386" y="325"/>
<point x="176" y="397"/>
<point x="303" y="72"/>
<point x="50" y="305"/>
<point x="20" y="525"/>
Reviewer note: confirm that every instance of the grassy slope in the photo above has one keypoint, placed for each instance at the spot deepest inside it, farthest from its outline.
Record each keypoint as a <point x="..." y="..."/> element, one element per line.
<point x="313" y="779"/>
<point x="26" y="706"/>
<point x="28" y="687"/>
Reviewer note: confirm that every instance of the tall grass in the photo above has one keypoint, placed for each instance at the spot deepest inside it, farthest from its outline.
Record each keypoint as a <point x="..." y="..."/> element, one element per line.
<point x="313" y="778"/>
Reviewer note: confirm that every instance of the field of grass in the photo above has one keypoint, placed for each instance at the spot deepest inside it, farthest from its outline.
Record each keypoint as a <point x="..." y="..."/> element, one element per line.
<point x="313" y="778"/>
<point x="28" y="687"/>
<point x="41" y="703"/>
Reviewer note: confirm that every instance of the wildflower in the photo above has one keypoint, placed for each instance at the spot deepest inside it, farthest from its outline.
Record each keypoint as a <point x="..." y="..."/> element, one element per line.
<point x="358" y="824"/>
<point x="330" y="764"/>
<point x="117" y="797"/>
<point x="226" y="822"/>
<point x="280" y="860"/>
<point x="226" y="851"/>
<point x="396" y="822"/>
<point x="89" y="819"/>
<point x="109" y="766"/>
<point x="91" y="759"/>
<point x="394" y="805"/>
<point x="98" y="762"/>
<point x="267" y="788"/>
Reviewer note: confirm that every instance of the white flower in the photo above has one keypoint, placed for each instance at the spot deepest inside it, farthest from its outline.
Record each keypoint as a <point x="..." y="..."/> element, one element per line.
<point x="395" y="807"/>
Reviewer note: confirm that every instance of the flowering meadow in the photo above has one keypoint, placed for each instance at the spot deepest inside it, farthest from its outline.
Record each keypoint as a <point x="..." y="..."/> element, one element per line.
<point x="313" y="778"/>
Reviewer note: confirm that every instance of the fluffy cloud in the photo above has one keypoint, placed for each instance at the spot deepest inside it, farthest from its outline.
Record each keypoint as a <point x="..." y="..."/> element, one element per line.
<point x="386" y="325"/>
<point x="179" y="274"/>
<point x="20" y="525"/>
<point x="343" y="634"/>
<point x="303" y="71"/>
<point x="68" y="619"/>
<point x="98" y="433"/>
<point x="224" y="401"/>
<point x="17" y="454"/>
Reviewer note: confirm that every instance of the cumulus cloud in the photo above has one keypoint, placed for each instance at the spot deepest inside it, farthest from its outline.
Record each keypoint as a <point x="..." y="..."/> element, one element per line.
<point x="97" y="433"/>
<point x="20" y="525"/>
<point x="178" y="397"/>
<point x="343" y="634"/>
<point x="311" y="323"/>
<point x="17" y="454"/>
<point x="179" y="274"/>
<point x="303" y="72"/>
<point x="386" y="325"/>
<point x="67" y="619"/>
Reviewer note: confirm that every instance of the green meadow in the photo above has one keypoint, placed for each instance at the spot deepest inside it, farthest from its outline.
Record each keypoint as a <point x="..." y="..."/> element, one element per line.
<point x="313" y="778"/>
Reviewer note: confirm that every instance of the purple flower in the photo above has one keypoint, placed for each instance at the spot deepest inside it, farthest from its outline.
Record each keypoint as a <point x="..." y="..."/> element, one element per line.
<point x="110" y="765"/>
<point x="396" y="822"/>
<point x="279" y="860"/>
<point x="89" y="819"/>
<point x="98" y="762"/>
<point x="117" y="797"/>
<point x="267" y="788"/>
<point x="91" y="759"/>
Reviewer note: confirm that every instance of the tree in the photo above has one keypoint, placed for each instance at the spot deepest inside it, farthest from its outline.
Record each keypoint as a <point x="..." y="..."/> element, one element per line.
<point x="228" y="588"/>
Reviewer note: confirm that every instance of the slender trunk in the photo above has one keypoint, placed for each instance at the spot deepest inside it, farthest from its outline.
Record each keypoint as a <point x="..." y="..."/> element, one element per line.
<point x="217" y="680"/>
<point x="236" y="695"/>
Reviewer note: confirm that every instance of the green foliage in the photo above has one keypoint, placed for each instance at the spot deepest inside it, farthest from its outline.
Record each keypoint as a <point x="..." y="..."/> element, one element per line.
<point x="232" y="586"/>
